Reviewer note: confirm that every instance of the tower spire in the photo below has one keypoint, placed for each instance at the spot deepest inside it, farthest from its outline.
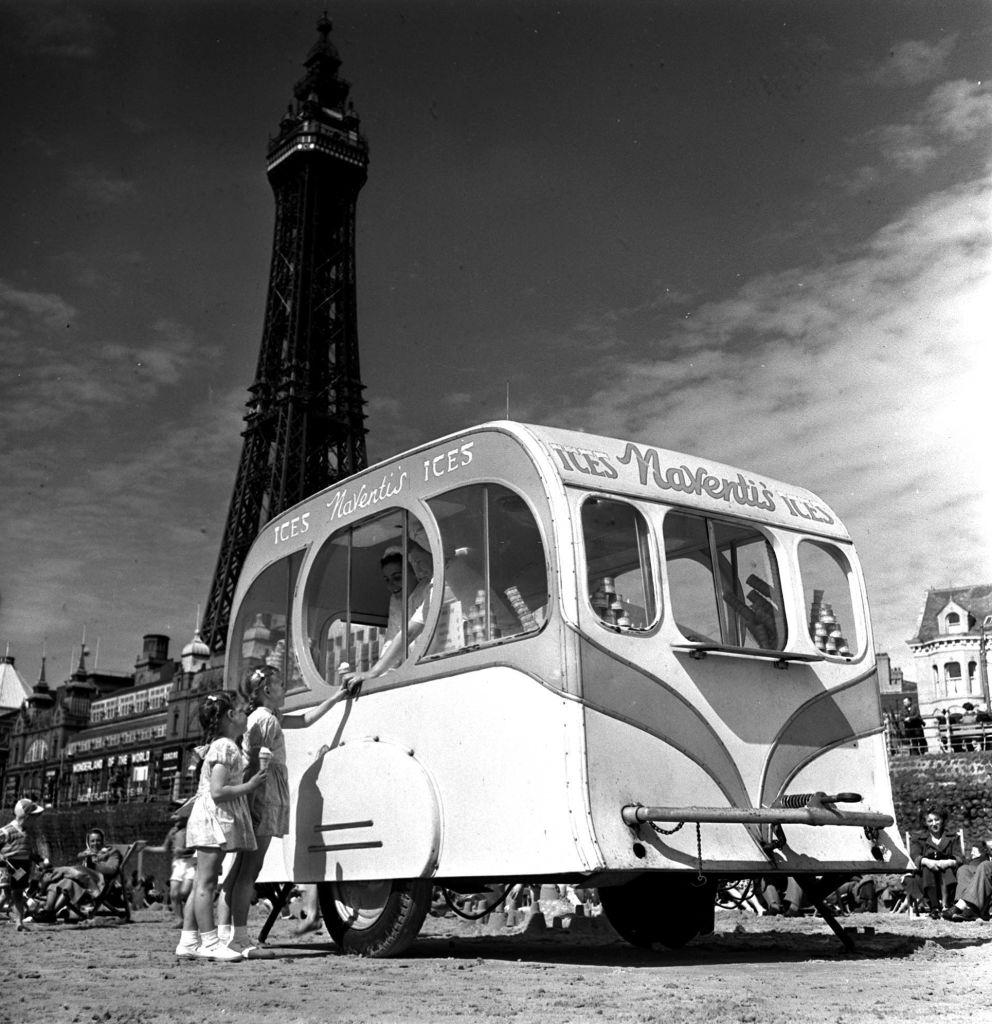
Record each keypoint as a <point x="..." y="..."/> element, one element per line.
<point x="305" y="416"/>
<point x="83" y="651"/>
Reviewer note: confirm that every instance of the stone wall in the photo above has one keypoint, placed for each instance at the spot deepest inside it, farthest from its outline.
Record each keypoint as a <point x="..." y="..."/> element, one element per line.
<point x="959" y="783"/>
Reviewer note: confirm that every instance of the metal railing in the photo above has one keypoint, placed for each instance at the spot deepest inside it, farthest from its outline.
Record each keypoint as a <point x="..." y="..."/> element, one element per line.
<point x="942" y="738"/>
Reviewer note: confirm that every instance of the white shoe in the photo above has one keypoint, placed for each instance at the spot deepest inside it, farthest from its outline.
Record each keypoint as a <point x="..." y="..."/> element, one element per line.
<point x="217" y="951"/>
<point x="186" y="952"/>
<point x="251" y="951"/>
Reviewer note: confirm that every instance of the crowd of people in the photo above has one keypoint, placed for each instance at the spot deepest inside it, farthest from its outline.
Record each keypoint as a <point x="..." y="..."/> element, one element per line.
<point x="241" y="804"/>
<point x="954" y="729"/>
<point x="942" y="882"/>
<point x="218" y="840"/>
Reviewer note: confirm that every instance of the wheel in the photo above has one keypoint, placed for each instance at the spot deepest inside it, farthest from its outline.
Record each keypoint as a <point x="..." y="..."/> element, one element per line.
<point x="665" y="909"/>
<point x="376" y="919"/>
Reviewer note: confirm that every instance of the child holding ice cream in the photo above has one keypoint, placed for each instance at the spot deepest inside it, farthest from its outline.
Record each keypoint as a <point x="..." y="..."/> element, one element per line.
<point x="264" y="744"/>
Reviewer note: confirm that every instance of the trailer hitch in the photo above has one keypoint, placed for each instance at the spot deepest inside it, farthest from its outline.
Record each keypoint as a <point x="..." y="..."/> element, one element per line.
<point x="816" y="809"/>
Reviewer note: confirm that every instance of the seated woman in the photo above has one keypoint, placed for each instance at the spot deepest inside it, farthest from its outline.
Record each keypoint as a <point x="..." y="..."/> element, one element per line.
<point x="73" y="887"/>
<point x="974" y="888"/>
<point x="936" y="857"/>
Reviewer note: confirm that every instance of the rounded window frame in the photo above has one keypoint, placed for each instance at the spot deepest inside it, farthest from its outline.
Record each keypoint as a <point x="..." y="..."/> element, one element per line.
<point x="859" y="615"/>
<point x="415" y="509"/>
<point x="781" y="557"/>
<point x="432" y="527"/>
<point x="654" y="568"/>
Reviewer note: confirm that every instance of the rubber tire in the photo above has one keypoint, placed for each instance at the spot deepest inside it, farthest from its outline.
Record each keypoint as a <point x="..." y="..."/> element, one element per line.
<point x="392" y="932"/>
<point x="658" y="909"/>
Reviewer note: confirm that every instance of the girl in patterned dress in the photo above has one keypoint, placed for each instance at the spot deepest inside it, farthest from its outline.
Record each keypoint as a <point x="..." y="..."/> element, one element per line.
<point x="265" y="692"/>
<point x="219" y="823"/>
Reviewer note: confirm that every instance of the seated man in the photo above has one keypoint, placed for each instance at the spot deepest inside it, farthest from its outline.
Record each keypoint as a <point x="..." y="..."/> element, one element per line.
<point x="73" y="887"/>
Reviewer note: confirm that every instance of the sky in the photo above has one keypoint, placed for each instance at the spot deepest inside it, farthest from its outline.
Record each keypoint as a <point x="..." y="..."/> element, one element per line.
<point x="755" y="232"/>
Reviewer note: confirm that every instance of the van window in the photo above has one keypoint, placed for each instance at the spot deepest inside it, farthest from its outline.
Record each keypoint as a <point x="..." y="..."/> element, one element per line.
<point x="495" y="575"/>
<point x="724" y="583"/>
<point x="826" y="576"/>
<point x="261" y="634"/>
<point x="619" y="582"/>
<point x="355" y="593"/>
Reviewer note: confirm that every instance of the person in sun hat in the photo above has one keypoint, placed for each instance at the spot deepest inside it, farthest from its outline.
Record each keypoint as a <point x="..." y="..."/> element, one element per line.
<point x="394" y="573"/>
<point x="21" y="845"/>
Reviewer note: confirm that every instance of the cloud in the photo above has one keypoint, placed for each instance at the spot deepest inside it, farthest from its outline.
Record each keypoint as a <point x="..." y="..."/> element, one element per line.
<point x="960" y="110"/>
<point x="52" y="375"/>
<point x="48" y="310"/>
<point x="63" y="30"/>
<point x="862" y="378"/>
<point x="955" y="114"/>
<point x="87" y="534"/>
<point x="164" y="361"/>
<point x="100" y="187"/>
<point x="905" y="146"/>
<point x="913" y="61"/>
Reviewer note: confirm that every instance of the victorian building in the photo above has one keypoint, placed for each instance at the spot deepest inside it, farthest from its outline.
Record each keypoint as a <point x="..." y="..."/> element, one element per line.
<point x="13" y="693"/>
<point x="43" y="727"/>
<point x="950" y="648"/>
<point x="103" y="737"/>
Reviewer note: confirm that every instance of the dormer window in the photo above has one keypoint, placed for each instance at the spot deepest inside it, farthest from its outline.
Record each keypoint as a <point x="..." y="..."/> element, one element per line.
<point x="953" y="619"/>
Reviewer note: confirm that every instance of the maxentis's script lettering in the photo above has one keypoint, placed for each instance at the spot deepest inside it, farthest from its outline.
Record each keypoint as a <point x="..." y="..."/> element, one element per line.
<point x="345" y="502"/>
<point x="697" y="481"/>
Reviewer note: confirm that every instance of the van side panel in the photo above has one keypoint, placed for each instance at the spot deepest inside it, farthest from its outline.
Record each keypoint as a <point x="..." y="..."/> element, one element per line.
<point x="727" y="735"/>
<point x="460" y="776"/>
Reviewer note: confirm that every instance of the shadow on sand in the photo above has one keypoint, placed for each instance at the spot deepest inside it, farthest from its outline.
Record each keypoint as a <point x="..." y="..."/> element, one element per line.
<point x="606" y="950"/>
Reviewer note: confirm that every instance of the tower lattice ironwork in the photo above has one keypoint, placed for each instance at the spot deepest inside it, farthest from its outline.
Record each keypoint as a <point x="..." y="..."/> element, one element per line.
<point x="305" y="420"/>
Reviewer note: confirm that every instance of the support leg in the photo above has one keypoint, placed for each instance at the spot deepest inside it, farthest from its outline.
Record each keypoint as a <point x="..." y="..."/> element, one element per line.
<point x="815" y="891"/>
<point x="279" y="900"/>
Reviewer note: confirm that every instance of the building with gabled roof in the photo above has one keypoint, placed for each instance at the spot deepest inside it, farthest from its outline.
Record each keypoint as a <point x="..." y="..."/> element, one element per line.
<point x="950" y="648"/>
<point x="13" y="693"/>
<point x="13" y="690"/>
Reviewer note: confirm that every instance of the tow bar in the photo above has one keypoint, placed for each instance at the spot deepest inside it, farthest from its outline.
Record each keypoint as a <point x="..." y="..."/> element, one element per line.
<point x="796" y="809"/>
<point x="815" y="809"/>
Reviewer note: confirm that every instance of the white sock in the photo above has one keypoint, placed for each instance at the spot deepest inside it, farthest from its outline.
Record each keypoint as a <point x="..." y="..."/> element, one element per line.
<point x="224" y="932"/>
<point x="190" y="939"/>
<point x="208" y="938"/>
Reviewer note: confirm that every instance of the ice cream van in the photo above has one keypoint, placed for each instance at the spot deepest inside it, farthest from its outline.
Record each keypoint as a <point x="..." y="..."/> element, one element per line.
<point x="581" y="660"/>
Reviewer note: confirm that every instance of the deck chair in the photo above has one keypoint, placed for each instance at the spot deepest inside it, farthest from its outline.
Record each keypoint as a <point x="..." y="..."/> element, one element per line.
<point x="114" y="897"/>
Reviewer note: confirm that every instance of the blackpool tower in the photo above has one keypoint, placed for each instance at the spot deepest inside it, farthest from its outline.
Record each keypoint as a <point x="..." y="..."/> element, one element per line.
<point x="305" y="420"/>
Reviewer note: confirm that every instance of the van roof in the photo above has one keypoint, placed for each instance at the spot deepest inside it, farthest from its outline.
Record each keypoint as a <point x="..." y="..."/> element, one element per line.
<point x="646" y="471"/>
<point x="649" y="471"/>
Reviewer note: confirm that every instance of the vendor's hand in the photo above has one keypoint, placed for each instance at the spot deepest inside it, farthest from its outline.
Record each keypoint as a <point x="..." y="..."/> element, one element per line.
<point x="351" y="682"/>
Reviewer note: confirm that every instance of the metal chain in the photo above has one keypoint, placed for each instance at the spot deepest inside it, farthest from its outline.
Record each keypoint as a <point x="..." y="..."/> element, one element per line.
<point x="449" y="899"/>
<point x="700" y="877"/>
<point x="666" y="831"/>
